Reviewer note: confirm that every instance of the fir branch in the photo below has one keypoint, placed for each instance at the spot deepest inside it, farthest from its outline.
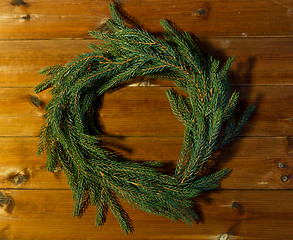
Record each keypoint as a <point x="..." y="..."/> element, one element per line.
<point x="98" y="176"/>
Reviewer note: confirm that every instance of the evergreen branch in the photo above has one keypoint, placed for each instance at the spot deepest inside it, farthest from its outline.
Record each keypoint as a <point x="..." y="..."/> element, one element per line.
<point x="119" y="212"/>
<point x="102" y="207"/>
<point x="97" y="175"/>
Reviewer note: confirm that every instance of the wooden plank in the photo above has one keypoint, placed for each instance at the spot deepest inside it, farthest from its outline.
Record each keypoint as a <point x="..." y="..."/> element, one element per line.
<point x="44" y="19"/>
<point x="46" y="214"/>
<point x="257" y="162"/>
<point x="22" y="60"/>
<point x="18" y="114"/>
<point x="255" y="65"/>
<point x="73" y="19"/>
<point x="21" y="168"/>
<point x="145" y="111"/>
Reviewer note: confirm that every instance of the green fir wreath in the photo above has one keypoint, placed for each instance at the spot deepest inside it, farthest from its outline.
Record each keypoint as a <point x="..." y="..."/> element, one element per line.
<point x="98" y="176"/>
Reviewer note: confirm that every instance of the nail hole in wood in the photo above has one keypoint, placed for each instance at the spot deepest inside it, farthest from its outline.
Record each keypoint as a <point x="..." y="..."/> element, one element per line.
<point x="224" y="236"/>
<point x="57" y="170"/>
<point x="281" y="165"/>
<point x="284" y="178"/>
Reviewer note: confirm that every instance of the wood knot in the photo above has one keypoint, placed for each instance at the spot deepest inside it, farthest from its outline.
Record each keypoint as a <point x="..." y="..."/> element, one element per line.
<point x="6" y="203"/>
<point x="27" y="17"/>
<point x="236" y="205"/>
<point x="104" y="28"/>
<point x="201" y="12"/>
<point x="19" y="3"/>
<point x="20" y="178"/>
<point x="34" y="100"/>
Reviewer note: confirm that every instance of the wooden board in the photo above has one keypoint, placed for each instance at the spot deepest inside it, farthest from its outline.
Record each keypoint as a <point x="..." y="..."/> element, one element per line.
<point x="47" y="19"/>
<point x="46" y="214"/>
<point x="259" y="61"/>
<point x="145" y="111"/>
<point x="256" y="161"/>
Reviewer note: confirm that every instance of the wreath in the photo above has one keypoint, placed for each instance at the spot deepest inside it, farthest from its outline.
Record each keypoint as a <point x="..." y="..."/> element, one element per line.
<point x="72" y="139"/>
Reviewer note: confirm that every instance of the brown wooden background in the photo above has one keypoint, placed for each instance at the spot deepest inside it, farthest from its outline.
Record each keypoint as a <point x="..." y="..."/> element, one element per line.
<point x="255" y="201"/>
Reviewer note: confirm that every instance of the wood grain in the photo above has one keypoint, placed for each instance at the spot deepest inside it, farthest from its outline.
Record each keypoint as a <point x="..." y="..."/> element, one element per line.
<point x="49" y="19"/>
<point x="253" y="202"/>
<point x="255" y="161"/>
<point x="148" y="113"/>
<point x="259" y="61"/>
<point x="43" y="214"/>
<point x="145" y="111"/>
